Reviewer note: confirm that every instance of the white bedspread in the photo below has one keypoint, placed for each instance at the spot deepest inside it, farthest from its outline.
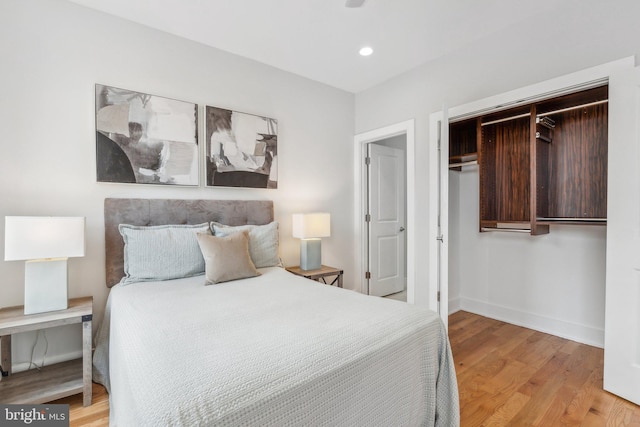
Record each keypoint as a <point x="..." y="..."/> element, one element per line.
<point x="273" y="351"/>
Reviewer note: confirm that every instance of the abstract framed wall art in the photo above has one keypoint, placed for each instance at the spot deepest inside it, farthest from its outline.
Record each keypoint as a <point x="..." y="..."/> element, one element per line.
<point x="241" y="149"/>
<point x="145" y="139"/>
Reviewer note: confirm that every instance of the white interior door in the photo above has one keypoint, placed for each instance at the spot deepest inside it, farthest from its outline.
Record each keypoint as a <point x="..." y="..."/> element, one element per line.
<point x="387" y="216"/>
<point x="622" y="311"/>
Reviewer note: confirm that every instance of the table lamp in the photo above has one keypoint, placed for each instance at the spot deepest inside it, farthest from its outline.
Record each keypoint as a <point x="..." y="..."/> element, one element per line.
<point x="309" y="228"/>
<point x="45" y="243"/>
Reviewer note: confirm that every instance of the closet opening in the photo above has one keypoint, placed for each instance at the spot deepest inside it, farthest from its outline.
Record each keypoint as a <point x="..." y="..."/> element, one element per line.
<point x="527" y="198"/>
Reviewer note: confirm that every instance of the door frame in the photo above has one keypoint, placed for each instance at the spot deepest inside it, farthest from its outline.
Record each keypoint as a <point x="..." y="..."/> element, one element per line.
<point x="546" y="89"/>
<point x="360" y="199"/>
<point x="438" y="291"/>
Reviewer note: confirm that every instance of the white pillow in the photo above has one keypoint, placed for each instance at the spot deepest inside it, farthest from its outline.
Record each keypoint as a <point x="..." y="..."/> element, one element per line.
<point x="161" y="252"/>
<point x="263" y="241"/>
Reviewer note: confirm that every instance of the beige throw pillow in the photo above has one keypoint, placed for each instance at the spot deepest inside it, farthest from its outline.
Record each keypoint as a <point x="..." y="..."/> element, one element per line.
<point x="226" y="258"/>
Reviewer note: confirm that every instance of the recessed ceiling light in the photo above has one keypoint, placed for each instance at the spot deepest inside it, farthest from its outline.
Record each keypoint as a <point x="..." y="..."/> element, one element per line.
<point x="366" y="51"/>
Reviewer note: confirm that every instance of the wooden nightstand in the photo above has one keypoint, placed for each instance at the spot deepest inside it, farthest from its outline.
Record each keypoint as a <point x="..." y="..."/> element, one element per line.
<point x="321" y="273"/>
<point x="52" y="381"/>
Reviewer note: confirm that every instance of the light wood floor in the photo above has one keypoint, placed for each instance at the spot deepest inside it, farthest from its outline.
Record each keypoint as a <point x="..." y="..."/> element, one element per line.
<point x="512" y="376"/>
<point x="507" y="376"/>
<point x="95" y="415"/>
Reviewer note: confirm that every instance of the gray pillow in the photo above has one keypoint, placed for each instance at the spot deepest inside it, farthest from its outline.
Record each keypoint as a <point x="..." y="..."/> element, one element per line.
<point x="263" y="241"/>
<point x="226" y="258"/>
<point x="161" y="252"/>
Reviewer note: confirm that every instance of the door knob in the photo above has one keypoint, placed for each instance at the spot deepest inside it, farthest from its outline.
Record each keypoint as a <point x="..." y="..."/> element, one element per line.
<point x="402" y="229"/>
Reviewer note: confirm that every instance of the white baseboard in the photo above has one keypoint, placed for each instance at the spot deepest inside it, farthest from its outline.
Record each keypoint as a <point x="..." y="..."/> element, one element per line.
<point x="454" y="305"/>
<point x="561" y="328"/>
<point x="49" y="360"/>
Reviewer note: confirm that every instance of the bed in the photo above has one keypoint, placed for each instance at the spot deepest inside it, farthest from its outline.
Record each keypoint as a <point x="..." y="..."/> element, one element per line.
<point x="274" y="349"/>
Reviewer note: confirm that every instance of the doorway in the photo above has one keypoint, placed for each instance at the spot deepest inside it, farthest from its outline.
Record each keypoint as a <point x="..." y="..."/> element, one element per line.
<point x="394" y="148"/>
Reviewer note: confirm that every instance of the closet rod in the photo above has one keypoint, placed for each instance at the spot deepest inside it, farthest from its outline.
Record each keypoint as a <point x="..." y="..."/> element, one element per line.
<point x="590" y="104"/>
<point x="519" y="116"/>
<point x="530" y="100"/>
<point x="506" y="119"/>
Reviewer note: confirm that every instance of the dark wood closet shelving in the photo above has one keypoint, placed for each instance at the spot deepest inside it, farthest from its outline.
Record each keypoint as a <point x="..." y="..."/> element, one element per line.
<point x="571" y="183"/>
<point x="540" y="164"/>
<point x="504" y="189"/>
<point x="463" y="144"/>
<point x="463" y="158"/>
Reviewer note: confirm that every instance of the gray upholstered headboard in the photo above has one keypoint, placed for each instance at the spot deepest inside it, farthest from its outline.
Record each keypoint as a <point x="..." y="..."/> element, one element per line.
<point x="172" y="211"/>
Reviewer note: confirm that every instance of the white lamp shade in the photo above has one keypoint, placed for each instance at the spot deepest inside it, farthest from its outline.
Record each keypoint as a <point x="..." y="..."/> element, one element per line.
<point x="311" y="225"/>
<point x="35" y="237"/>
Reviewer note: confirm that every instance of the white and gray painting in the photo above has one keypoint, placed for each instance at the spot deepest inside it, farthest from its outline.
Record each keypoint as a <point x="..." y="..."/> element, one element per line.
<point x="241" y="149"/>
<point x="145" y="139"/>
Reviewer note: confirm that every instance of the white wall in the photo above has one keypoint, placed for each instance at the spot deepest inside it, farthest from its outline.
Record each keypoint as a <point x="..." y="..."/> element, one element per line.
<point x="555" y="280"/>
<point x="456" y="266"/>
<point x="53" y="52"/>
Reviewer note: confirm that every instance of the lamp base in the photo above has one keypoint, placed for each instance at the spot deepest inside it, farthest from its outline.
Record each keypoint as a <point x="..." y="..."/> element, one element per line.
<point x="310" y="254"/>
<point x="45" y="285"/>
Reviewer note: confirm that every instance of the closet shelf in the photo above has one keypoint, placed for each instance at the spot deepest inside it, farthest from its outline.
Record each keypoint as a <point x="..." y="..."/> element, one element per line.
<point x="507" y="230"/>
<point x="461" y="160"/>
<point x="512" y="226"/>
<point x="459" y="166"/>
<point x="573" y="221"/>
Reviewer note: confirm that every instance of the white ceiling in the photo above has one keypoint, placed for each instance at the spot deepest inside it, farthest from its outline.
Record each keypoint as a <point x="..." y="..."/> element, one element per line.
<point x="320" y="39"/>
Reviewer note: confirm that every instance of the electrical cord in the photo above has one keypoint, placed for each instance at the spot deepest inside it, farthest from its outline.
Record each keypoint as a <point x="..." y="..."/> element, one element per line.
<point x="33" y="348"/>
